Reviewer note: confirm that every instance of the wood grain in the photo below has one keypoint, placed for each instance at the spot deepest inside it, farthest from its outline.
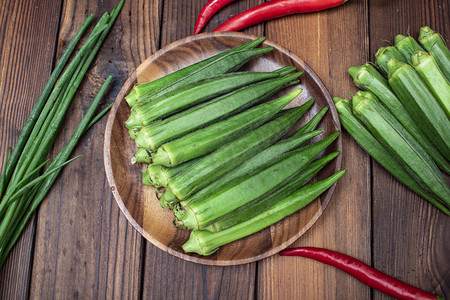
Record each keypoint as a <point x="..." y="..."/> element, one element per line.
<point x="27" y="48"/>
<point x="322" y="39"/>
<point x="409" y="235"/>
<point x="371" y="217"/>
<point x="85" y="248"/>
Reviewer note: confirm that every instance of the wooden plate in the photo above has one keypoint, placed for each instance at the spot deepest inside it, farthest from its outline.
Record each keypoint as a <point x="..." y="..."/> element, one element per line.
<point x="138" y="202"/>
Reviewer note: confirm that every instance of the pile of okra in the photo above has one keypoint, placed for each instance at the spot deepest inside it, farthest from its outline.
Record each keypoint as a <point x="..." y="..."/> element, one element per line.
<point x="214" y="147"/>
<point x="402" y="118"/>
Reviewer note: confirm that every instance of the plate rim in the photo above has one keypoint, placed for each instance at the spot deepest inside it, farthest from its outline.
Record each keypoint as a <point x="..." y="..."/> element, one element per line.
<point x="126" y="88"/>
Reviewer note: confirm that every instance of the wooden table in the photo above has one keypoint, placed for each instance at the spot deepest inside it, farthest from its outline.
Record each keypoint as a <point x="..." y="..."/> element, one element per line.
<point x="79" y="244"/>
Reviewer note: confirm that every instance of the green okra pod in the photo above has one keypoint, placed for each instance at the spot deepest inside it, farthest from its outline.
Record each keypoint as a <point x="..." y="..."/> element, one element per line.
<point x="366" y="77"/>
<point x="428" y="70"/>
<point x="375" y="149"/>
<point x="154" y="135"/>
<point x="145" y="113"/>
<point x="152" y="86"/>
<point x="435" y="45"/>
<point x="235" y="153"/>
<point x="226" y="64"/>
<point x="261" y="160"/>
<point x="250" y="188"/>
<point x="421" y="104"/>
<point x="264" y="158"/>
<point x="208" y="139"/>
<point x="402" y="146"/>
<point x="285" y="190"/>
<point x="205" y="242"/>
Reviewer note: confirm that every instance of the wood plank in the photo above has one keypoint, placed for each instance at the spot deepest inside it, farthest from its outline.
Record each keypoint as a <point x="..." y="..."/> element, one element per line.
<point x="85" y="248"/>
<point x="167" y="277"/>
<point x="330" y="42"/>
<point x="410" y="236"/>
<point x="27" y="48"/>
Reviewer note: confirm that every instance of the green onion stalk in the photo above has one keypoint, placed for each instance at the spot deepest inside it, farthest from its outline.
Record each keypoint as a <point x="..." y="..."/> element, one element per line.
<point x="22" y="189"/>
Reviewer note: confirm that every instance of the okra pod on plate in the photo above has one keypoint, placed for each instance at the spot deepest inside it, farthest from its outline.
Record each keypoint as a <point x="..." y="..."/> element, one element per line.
<point x="285" y="190"/>
<point x="225" y="64"/>
<point x="152" y="86"/>
<point x="265" y="158"/>
<point x="235" y="153"/>
<point x="376" y="150"/>
<point x="154" y="135"/>
<point x="384" y="54"/>
<point x="250" y="188"/>
<point x="190" y="95"/>
<point x="428" y="70"/>
<point x="261" y="160"/>
<point x="435" y="45"/>
<point x="402" y="146"/>
<point x="208" y="139"/>
<point x="366" y="77"/>
<point x="421" y="104"/>
<point x="407" y="46"/>
<point x="206" y="242"/>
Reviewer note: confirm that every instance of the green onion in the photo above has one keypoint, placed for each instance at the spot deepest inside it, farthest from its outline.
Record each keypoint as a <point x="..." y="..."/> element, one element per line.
<point x="22" y="188"/>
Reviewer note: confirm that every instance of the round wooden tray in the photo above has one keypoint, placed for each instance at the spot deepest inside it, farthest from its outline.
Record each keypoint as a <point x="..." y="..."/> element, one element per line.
<point x="138" y="202"/>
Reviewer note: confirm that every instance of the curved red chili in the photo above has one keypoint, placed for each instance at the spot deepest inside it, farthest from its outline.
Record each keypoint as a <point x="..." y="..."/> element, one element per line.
<point x="362" y="272"/>
<point x="209" y="10"/>
<point x="275" y="9"/>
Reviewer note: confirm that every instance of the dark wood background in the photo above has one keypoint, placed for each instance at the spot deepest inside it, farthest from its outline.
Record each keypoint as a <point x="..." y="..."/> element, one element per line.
<point x="79" y="245"/>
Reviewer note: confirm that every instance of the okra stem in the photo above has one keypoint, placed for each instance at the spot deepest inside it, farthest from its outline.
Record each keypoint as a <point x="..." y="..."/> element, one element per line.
<point x="407" y="46"/>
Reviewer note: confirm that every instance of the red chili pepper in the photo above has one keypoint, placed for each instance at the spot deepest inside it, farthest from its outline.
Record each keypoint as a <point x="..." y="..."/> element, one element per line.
<point x="275" y="9"/>
<point x="209" y="10"/>
<point x="362" y="272"/>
